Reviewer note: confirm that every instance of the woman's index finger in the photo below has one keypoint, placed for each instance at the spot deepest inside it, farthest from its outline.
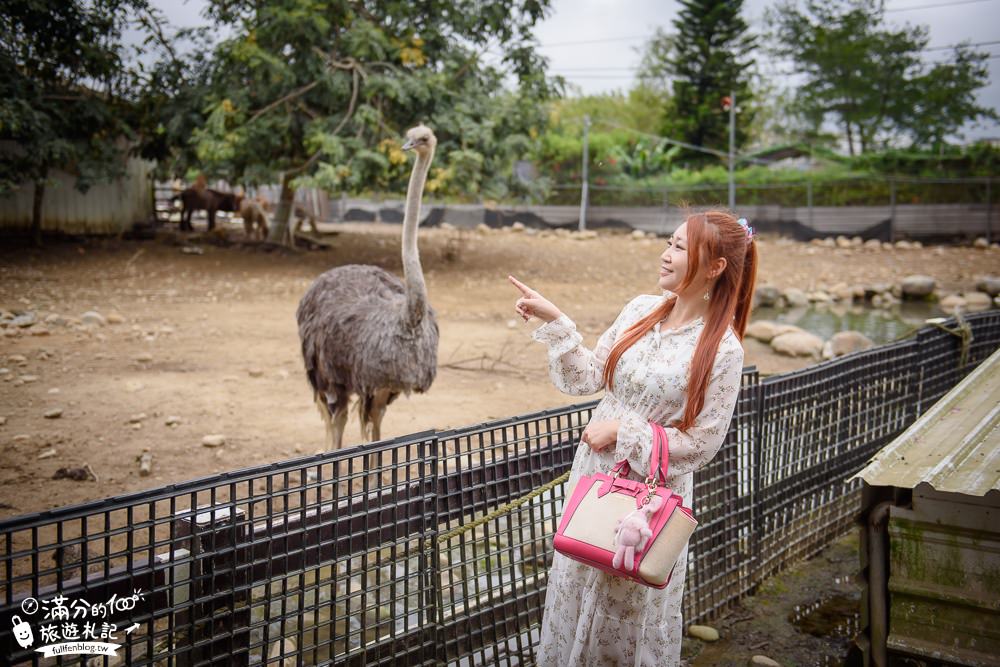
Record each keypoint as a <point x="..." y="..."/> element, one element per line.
<point x="521" y="286"/>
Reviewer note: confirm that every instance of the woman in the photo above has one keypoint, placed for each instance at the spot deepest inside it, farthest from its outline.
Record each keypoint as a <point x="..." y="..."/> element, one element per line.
<point x="676" y="359"/>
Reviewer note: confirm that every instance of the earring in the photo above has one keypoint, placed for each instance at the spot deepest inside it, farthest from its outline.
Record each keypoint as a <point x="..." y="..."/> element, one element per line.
<point x="706" y="295"/>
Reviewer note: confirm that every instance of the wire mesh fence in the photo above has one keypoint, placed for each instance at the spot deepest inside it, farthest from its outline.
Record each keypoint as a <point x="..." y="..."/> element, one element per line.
<point x="351" y="557"/>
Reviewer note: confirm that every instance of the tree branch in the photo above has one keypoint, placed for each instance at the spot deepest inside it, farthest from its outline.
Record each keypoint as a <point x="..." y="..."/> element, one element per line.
<point x="290" y="96"/>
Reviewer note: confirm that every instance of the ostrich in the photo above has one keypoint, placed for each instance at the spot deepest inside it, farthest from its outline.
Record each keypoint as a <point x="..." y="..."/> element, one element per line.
<point x="366" y="332"/>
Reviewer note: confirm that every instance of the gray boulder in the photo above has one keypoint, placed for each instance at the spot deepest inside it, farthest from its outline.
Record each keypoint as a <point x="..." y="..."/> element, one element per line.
<point x="797" y="344"/>
<point x="989" y="285"/>
<point x="768" y="295"/>
<point x="917" y="287"/>
<point x="846" y="342"/>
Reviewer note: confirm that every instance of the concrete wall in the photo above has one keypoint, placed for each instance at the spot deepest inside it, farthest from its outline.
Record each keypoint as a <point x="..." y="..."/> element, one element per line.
<point x="911" y="221"/>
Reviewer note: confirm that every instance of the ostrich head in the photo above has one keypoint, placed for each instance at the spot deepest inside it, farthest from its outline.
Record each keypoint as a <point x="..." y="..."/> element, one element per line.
<point x="420" y="139"/>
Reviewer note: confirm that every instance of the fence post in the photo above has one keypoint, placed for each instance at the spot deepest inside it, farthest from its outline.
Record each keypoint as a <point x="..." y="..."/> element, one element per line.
<point x="892" y="210"/>
<point x="809" y="203"/>
<point x="989" y="211"/>
<point x="586" y="164"/>
<point x="217" y="538"/>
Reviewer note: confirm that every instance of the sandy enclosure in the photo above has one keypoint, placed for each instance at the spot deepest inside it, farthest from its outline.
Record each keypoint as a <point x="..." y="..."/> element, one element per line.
<point x="211" y="339"/>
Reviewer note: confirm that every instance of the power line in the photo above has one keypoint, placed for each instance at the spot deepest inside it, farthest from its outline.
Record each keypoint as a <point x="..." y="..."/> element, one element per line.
<point x="935" y="6"/>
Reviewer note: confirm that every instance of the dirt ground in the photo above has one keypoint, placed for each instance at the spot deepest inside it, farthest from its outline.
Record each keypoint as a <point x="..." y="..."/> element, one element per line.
<point x="211" y="340"/>
<point x="805" y="616"/>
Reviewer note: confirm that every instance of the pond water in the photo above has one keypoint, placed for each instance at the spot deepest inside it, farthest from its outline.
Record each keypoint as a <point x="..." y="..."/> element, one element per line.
<point x="882" y="325"/>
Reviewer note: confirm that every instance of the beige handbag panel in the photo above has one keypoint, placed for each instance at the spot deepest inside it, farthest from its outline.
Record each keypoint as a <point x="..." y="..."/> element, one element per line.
<point x="596" y="520"/>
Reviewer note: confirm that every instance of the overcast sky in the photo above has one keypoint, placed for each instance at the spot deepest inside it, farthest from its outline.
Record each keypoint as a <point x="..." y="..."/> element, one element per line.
<point x="595" y="43"/>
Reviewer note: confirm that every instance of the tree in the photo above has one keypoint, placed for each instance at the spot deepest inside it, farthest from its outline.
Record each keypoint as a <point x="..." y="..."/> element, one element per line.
<point x="310" y="92"/>
<point x="63" y="101"/>
<point x="871" y="79"/>
<point x="707" y="59"/>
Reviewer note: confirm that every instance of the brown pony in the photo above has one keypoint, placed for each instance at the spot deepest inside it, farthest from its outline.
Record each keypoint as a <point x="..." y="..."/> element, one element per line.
<point x="208" y="200"/>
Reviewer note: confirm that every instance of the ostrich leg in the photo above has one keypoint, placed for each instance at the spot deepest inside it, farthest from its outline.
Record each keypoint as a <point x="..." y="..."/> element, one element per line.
<point x="379" y="402"/>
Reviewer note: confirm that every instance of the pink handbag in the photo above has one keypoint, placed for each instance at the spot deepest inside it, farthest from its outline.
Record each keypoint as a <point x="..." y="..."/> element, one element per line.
<point x="587" y="529"/>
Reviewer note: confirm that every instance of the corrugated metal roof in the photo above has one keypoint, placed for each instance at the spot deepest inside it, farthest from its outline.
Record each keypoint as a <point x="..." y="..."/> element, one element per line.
<point x="954" y="446"/>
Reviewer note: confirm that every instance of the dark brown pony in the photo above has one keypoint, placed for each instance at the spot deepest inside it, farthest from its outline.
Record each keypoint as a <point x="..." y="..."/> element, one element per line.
<point x="208" y="200"/>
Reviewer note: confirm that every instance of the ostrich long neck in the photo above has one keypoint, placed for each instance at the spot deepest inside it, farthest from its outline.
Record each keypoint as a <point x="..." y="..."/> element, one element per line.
<point x="416" y="290"/>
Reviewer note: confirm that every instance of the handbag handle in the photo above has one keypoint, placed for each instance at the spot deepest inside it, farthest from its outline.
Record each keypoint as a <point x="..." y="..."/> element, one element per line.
<point x="661" y="454"/>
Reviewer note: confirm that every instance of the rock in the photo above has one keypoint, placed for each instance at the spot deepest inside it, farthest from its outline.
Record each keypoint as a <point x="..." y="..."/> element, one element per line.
<point x="137" y="418"/>
<point x="47" y="454"/>
<point x="797" y="344"/>
<point x="21" y="438"/>
<point x="29" y="378"/>
<point x="512" y="324"/>
<point x="144" y="357"/>
<point x="989" y="284"/>
<point x="255" y="372"/>
<point x="819" y="296"/>
<point x="213" y="440"/>
<point x="846" y="342"/>
<point x="115" y="318"/>
<point x="517" y="227"/>
<point x="447" y="226"/>
<point x="54" y="413"/>
<point x="843" y="242"/>
<point x="886" y="245"/>
<point x="917" y="287"/>
<point x="843" y="292"/>
<point x="903" y="245"/>
<point x="93" y="318"/>
<point x="951" y="303"/>
<point x="483" y="228"/>
<point x="584" y="235"/>
<point x="39" y="330"/>
<point x="638" y="234"/>
<point x="145" y="463"/>
<point x="918" y="245"/>
<point x="795" y="297"/>
<point x="768" y="295"/>
<point x="981" y="242"/>
<point x="172" y="421"/>
<point x="703" y="632"/>
<point x="828" y="242"/>
<point x="286" y="649"/>
<point x="18" y="359"/>
<point x="762" y="330"/>
<point x="3" y="421"/>
<point x="873" y="244"/>
<point x="763" y="661"/>
<point x="857" y="241"/>
<point x="978" y="301"/>
<point x="192" y="250"/>
<point x="23" y="321"/>
<point x="875" y="288"/>
<point x="75" y="474"/>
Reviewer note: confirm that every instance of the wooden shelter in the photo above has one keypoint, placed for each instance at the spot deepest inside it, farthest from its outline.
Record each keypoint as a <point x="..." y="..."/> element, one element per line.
<point x="930" y="541"/>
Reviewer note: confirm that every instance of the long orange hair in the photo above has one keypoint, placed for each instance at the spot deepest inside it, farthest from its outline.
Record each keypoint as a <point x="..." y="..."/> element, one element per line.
<point x="711" y="235"/>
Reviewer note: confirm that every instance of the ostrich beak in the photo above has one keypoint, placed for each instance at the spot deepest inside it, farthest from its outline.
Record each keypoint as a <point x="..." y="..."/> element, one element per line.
<point x="408" y="144"/>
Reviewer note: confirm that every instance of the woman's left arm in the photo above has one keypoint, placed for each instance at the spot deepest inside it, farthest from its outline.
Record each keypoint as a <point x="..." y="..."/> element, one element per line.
<point x="698" y="446"/>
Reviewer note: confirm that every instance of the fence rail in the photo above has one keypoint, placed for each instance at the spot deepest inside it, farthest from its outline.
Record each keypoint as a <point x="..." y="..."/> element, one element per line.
<point x="337" y="557"/>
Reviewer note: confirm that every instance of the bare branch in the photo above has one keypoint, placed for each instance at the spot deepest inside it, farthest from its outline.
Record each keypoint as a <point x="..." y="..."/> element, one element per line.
<point x="290" y="96"/>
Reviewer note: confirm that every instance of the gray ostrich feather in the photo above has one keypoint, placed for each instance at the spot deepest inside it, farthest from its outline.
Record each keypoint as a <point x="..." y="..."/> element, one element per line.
<point x="366" y="332"/>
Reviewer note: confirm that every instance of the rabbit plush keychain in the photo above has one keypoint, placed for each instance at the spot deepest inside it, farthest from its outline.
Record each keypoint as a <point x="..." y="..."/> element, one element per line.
<point x="632" y="534"/>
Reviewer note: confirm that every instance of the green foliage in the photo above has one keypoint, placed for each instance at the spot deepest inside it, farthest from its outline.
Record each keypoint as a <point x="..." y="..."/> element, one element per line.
<point x="320" y="92"/>
<point x="870" y="78"/>
<point x="707" y="59"/>
<point x="63" y="95"/>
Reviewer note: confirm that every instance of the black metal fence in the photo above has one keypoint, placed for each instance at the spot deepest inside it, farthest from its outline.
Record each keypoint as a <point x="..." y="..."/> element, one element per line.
<point x="337" y="557"/>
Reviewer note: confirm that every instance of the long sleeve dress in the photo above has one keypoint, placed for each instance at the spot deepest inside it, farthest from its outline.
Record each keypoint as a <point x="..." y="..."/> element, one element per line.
<point x="592" y="618"/>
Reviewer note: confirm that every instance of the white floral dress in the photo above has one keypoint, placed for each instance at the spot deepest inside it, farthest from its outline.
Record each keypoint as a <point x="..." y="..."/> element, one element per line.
<point x="592" y="618"/>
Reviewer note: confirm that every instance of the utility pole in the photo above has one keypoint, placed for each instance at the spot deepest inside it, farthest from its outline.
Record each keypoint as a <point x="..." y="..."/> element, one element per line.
<point x="732" y="150"/>
<point x="586" y="161"/>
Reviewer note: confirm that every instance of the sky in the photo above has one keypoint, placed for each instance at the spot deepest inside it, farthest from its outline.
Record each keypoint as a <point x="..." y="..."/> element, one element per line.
<point x="596" y="44"/>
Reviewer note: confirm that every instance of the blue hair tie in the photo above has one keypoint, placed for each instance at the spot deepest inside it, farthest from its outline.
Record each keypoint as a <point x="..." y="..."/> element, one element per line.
<point x="743" y="223"/>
